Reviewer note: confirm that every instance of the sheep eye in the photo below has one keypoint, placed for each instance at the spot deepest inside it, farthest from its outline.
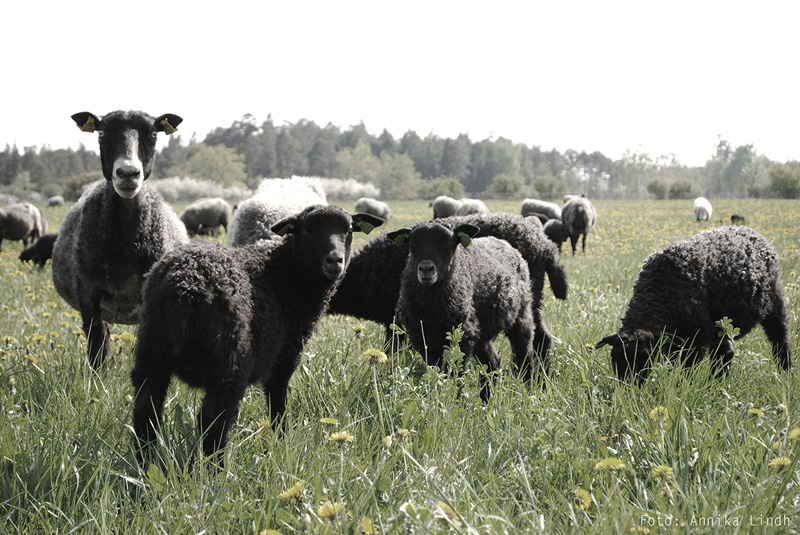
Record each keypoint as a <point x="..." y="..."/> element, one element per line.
<point x="100" y="133"/>
<point x="154" y="134"/>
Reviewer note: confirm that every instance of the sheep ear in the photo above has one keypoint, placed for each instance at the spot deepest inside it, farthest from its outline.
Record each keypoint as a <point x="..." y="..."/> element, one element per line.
<point x="399" y="236"/>
<point x="465" y="233"/>
<point x="611" y="340"/>
<point x="284" y="227"/>
<point x="86" y="121"/>
<point x="366" y="223"/>
<point x="168" y="123"/>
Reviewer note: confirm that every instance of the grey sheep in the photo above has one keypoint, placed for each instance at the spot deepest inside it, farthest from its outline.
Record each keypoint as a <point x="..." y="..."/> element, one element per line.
<point x="55" y="200"/>
<point x="534" y="221"/>
<point x="19" y="222"/>
<point x="481" y="285"/>
<point x="702" y="209"/>
<point x="222" y="318"/>
<point x="444" y="206"/>
<point x="368" y="205"/>
<point x="579" y="217"/>
<point x="555" y="231"/>
<point x="472" y="206"/>
<point x="274" y="200"/>
<point x="118" y="228"/>
<point x="371" y="287"/>
<point x="549" y="209"/>
<point x="684" y="289"/>
<point x="205" y="216"/>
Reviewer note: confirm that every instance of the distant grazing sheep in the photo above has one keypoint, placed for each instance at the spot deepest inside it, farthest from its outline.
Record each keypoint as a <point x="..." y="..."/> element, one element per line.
<point x="222" y="318"/>
<point x="40" y="251"/>
<point x="534" y="222"/>
<point x="579" y="217"/>
<point x="737" y="219"/>
<point x="55" y="200"/>
<point x="118" y="228"/>
<point x="368" y="205"/>
<point x="472" y="206"/>
<point x="205" y="216"/>
<point x="371" y="287"/>
<point x="19" y="222"/>
<point x="482" y="285"/>
<point x="550" y="209"/>
<point x="274" y="200"/>
<point x="444" y="206"/>
<point x="554" y="229"/>
<point x="702" y="209"/>
<point x="685" y="288"/>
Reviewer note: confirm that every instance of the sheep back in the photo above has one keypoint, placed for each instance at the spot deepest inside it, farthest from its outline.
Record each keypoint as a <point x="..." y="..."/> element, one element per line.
<point x="206" y="215"/>
<point x="368" y="205"/>
<point x="444" y="206"/>
<point x="549" y="209"/>
<point x="19" y="222"/>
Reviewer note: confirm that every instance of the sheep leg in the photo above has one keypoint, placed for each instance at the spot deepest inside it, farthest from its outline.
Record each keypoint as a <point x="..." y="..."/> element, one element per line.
<point x="542" y="342"/>
<point x="217" y="415"/>
<point x="98" y="336"/>
<point x="723" y="358"/>
<point x="583" y="243"/>
<point x="573" y="241"/>
<point x="487" y="356"/>
<point x="529" y="360"/>
<point x="777" y="331"/>
<point x="151" y="390"/>
<point x="276" y="390"/>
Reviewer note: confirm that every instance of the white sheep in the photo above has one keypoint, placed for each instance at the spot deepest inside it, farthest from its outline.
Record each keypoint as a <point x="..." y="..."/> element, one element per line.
<point x="702" y="209"/>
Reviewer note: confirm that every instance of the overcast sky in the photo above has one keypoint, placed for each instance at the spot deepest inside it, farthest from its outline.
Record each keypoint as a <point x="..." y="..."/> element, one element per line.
<point x="608" y="76"/>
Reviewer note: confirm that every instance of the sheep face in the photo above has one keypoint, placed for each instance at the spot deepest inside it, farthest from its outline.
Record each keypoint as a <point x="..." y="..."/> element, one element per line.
<point x="432" y="248"/>
<point x="323" y="236"/>
<point x="127" y="145"/>
<point x="631" y="351"/>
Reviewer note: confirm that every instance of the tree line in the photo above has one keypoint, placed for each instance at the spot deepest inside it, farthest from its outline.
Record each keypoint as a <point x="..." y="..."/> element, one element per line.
<point x="413" y="166"/>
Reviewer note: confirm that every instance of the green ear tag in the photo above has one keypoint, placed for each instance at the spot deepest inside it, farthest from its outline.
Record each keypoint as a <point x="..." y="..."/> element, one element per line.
<point x="365" y="226"/>
<point x="401" y="239"/>
<point x="466" y="239"/>
<point x="285" y="229"/>
<point x="89" y="125"/>
<point x="168" y="128"/>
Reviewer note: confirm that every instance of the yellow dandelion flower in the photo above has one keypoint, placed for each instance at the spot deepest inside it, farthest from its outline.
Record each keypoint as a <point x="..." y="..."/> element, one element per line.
<point x="659" y="414"/>
<point x="358" y="328"/>
<point x="293" y="492"/>
<point x="794" y="435"/>
<point x="31" y="296"/>
<point x="341" y="437"/>
<point x="269" y="532"/>
<point x="447" y="513"/>
<point x="403" y="432"/>
<point x="127" y="338"/>
<point x="46" y="315"/>
<point x="333" y="422"/>
<point x="64" y="324"/>
<point x="51" y="304"/>
<point x="128" y="399"/>
<point x="662" y="473"/>
<point x="756" y="413"/>
<point x="329" y="510"/>
<point x="780" y="464"/>
<point x="367" y="527"/>
<point x="639" y="529"/>
<point x="387" y="441"/>
<point x="375" y="356"/>
<point x="609" y="464"/>
<point x="581" y="500"/>
<point x="777" y="447"/>
<point x="264" y="427"/>
<point x="9" y="340"/>
<point x="37" y="338"/>
<point x="54" y="335"/>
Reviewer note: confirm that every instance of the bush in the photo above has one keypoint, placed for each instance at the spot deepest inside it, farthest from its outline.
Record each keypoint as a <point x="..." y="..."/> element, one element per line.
<point x="683" y="189"/>
<point x="785" y="181"/>
<point x="177" y="189"/>
<point x="443" y="185"/>
<point x="658" y="189"/>
<point x="348" y="189"/>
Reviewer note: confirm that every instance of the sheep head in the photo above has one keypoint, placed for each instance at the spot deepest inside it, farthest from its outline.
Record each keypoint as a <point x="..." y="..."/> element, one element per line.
<point x="631" y="351"/>
<point x="127" y="145"/>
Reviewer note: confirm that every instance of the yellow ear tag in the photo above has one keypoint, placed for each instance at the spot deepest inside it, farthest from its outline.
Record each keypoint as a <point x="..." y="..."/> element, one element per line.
<point x="168" y="128"/>
<point x="89" y="125"/>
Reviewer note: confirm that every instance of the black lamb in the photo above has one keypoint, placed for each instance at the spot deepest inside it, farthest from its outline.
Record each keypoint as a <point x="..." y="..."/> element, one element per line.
<point x="482" y="285"/>
<point x="41" y="251"/>
<point x="684" y="289"/>
<point x="222" y="318"/>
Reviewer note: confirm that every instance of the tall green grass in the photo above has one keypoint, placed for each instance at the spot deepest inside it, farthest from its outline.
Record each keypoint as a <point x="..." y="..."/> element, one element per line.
<point x="682" y="453"/>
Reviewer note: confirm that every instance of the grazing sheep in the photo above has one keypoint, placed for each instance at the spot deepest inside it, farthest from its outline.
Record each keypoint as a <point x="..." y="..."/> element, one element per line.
<point x="222" y="318"/>
<point x="20" y="221"/>
<point x="471" y="206"/>
<point x="534" y="222"/>
<point x="274" y="200"/>
<point x="205" y="216"/>
<point x="549" y="209"/>
<point x="118" y="228"/>
<point x="579" y="217"/>
<point x="702" y="209"/>
<point x="444" y="206"/>
<point x="481" y="285"/>
<point x="368" y="205"/>
<point x="40" y="251"/>
<point x="685" y="288"/>
<point x="371" y="287"/>
<point x="737" y="219"/>
<point x="55" y="200"/>
<point x="554" y="229"/>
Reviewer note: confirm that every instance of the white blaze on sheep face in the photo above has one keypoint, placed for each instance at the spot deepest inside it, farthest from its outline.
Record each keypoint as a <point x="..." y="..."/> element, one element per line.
<point x="128" y="170"/>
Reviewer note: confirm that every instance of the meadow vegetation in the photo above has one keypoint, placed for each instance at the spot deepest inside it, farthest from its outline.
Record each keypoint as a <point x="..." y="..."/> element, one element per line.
<point x="376" y="442"/>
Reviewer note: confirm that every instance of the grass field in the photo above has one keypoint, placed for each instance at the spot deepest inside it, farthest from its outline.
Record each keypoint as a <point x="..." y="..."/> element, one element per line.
<point x="391" y="448"/>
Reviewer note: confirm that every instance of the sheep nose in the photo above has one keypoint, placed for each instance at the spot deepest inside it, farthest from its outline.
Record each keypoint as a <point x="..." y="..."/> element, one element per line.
<point x="128" y="172"/>
<point x="334" y="265"/>
<point x="426" y="272"/>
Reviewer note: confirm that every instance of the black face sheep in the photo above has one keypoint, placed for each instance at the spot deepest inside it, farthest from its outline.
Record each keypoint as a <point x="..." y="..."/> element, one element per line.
<point x="274" y="200"/>
<point x="371" y="287"/>
<point x="549" y="209"/>
<point x="222" y="318"/>
<point x="702" y="209"/>
<point x="444" y="206"/>
<point x="579" y="217"/>
<point x="118" y="228"/>
<point x="368" y="205"/>
<point x="481" y="285"/>
<point x="738" y="219"/>
<point x="205" y="216"/>
<point x="555" y="231"/>
<point x="685" y="288"/>
<point x="19" y="222"/>
<point x="40" y="251"/>
<point x="472" y="206"/>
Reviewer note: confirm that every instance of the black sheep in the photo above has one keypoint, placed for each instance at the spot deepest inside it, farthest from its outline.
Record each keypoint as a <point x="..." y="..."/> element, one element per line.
<point x="371" y="286"/>
<point x="685" y="288"/>
<point x="222" y="318"/>
<point x="41" y="251"/>
<point x="483" y="286"/>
